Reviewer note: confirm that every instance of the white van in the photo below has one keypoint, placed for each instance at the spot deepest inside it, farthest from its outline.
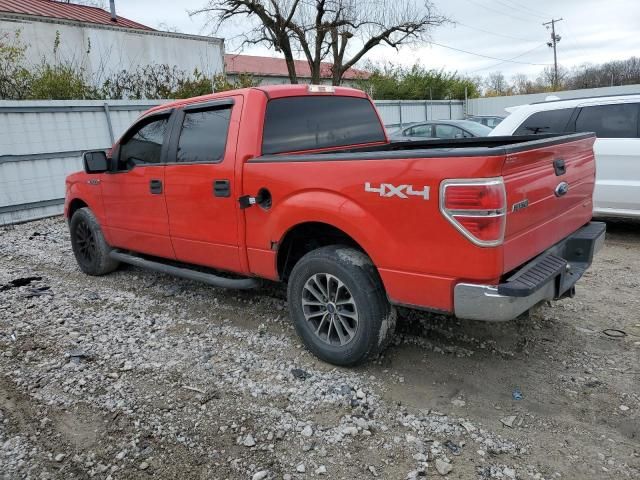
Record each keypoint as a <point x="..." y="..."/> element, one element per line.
<point x="616" y="122"/>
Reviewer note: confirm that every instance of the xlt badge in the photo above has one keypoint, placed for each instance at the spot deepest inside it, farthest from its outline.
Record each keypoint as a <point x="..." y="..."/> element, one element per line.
<point x="520" y="205"/>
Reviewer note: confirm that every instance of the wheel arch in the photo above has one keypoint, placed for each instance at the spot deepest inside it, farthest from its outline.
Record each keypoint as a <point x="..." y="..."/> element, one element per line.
<point x="305" y="237"/>
<point x="75" y="205"/>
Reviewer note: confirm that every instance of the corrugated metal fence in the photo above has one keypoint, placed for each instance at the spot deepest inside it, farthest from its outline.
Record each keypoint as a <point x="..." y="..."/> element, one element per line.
<point x="396" y="112"/>
<point x="42" y="142"/>
<point x="497" y="105"/>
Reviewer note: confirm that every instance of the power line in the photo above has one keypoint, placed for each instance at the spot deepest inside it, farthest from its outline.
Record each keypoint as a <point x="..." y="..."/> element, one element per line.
<point x="522" y="8"/>
<point x="504" y="60"/>
<point x="573" y="38"/>
<point x="534" y="12"/>
<point x="510" y="60"/>
<point x="494" y="33"/>
<point x="499" y="12"/>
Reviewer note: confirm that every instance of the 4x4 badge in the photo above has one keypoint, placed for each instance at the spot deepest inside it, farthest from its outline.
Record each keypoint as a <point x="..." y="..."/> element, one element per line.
<point x="401" y="191"/>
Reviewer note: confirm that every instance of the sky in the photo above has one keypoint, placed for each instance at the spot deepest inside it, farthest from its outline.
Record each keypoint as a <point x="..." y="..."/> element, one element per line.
<point x="593" y="31"/>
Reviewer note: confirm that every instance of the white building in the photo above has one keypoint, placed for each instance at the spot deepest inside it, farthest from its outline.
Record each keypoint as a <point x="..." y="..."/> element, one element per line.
<point x="101" y="43"/>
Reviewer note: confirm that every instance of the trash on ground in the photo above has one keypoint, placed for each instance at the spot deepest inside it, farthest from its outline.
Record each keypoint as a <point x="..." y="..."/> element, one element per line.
<point x="19" y="282"/>
<point x="300" y="374"/>
<point x="614" y="333"/>
<point x="508" y="421"/>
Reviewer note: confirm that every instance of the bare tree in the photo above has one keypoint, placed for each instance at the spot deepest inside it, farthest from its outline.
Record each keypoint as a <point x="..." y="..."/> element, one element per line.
<point x="496" y="84"/>
<point x="342" y="31"/>
<point x="271" y="23"/>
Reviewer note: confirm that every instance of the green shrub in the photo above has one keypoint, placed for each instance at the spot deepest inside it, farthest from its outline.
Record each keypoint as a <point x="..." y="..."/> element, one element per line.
<point x="60" y="82"/>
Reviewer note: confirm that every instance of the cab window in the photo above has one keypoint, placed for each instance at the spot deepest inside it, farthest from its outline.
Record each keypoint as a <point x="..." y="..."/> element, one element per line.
<point x="204" y="136"/>
<point x="310" y="123"/>
<point x="143" y="144"/>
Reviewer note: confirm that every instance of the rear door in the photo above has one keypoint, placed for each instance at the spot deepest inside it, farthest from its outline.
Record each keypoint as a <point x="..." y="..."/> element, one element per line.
<point x="617" y="152"/>
<point x="201" y="190"/>
<point x="133" y="192"/>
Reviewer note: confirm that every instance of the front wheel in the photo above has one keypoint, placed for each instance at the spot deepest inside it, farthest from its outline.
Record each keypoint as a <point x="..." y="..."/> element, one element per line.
<point x="339" y="306"/>
<point x="89" y="246"/>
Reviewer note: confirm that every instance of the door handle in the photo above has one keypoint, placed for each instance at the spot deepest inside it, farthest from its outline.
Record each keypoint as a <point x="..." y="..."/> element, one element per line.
<point x="155" y="187"/>
<point x="221" y="188"/>
<point x="559" y="167"/>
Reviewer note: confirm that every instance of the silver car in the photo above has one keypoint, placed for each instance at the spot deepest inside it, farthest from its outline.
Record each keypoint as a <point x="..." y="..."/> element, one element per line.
<point x="440" y="129"/>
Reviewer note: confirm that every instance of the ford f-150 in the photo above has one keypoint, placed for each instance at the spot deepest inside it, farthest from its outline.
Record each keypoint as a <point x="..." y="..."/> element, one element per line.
<point x="300" y="184"/>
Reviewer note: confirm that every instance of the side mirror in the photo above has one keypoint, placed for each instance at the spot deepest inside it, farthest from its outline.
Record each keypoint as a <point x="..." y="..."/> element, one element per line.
<point x="95" y="161"/>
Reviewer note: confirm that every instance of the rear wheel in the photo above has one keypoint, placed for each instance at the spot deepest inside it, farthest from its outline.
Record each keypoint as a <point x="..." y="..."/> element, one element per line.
<point x="339" y="306"/>
<point x="88" y="243"/>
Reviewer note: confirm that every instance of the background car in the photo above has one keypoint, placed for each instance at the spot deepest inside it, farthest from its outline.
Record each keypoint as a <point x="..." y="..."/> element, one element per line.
<point x="491" y="121"/>
<point x="442" y="129"/>
<point x="616" y="122"/>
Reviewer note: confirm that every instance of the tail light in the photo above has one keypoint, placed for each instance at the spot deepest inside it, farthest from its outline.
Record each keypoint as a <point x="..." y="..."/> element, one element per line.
<point x="477" y="208"/>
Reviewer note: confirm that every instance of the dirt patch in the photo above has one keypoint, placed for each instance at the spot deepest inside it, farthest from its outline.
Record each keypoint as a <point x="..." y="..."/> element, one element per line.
<point x="138" y="375"/>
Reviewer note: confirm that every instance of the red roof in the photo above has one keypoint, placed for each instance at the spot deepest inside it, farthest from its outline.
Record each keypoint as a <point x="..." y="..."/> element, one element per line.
<point x="277" y="67"/>
<point x="67" y="11"/>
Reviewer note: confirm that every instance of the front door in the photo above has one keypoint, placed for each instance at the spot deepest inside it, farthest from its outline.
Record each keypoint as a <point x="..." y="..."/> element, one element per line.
<point x="133" y="191"/>
<point x="201" y="192"/>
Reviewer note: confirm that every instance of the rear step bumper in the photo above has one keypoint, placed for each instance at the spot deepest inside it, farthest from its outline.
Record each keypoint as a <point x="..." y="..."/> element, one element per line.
<point x="551" y="275"/>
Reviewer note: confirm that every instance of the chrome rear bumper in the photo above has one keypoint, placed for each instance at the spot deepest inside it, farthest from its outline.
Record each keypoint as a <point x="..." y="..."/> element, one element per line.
<point x="551" y="275"/>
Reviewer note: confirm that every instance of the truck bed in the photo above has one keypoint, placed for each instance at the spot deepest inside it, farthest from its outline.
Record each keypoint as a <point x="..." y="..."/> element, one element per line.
<point x="461" y="147"/>
<point x="406" y="235"/>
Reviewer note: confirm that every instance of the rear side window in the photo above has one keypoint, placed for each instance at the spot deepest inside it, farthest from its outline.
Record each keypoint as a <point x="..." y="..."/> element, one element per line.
<point x="420" y="131"/>
<point x="448" y="131"/>
<point x="551" y="121"/>
<point x="309" y="123"/>
<point x="609" y="121"/>
<point x="204" y="136"/>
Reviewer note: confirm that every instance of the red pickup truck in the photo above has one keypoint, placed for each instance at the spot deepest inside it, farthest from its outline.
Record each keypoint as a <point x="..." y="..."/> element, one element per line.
<point x="300" y="184"/>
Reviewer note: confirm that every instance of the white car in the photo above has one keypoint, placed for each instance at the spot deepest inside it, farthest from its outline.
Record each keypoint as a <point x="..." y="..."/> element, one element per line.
<point x="616" y="122"/>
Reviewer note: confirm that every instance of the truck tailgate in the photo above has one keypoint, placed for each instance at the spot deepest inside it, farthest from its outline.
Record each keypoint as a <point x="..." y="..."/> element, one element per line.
<point x="549" y="195"/>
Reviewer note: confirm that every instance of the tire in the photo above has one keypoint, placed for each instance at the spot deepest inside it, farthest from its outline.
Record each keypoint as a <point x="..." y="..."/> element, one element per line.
<point x="357" y="323"/>
<point x="89" y="246"/>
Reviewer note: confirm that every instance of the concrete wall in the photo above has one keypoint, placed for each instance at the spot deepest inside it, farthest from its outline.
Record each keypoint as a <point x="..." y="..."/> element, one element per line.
<point x="103" y="50"/>
<point x="497" y="105"/>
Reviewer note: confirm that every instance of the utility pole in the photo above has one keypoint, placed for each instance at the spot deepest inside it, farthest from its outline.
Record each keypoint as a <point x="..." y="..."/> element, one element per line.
<point x="553" y="44"/>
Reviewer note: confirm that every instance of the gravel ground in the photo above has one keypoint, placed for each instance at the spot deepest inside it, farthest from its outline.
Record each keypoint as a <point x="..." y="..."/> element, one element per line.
<point x="139" y="375"/>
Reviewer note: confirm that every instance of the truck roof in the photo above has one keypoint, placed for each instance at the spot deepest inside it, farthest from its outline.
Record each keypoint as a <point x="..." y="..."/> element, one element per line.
<point x="271" y="91"/>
